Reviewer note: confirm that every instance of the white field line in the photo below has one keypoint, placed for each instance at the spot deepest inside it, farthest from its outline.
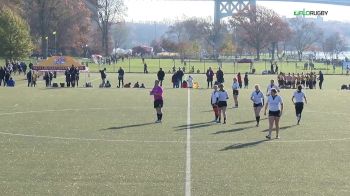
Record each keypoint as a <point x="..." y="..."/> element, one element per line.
<point x="188" y="146"/>
<point x="169" y="141"/>
<point x="44" y="111"/>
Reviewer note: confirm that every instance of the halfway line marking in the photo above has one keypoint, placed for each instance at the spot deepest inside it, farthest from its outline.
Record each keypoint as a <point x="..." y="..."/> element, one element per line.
<point x="188" y="146"/>
<point x="168" y="141"/>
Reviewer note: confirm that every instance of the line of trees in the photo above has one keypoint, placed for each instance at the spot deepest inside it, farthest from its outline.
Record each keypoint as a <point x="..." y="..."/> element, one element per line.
<point x="250" y="31"/>
<point x="53" y="26"/>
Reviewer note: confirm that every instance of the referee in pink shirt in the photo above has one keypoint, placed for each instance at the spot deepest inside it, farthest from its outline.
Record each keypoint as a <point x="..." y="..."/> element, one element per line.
<point x="157" y="92"/>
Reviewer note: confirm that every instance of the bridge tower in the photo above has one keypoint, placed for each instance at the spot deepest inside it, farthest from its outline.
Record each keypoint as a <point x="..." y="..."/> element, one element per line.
<point x="225" y="8"/>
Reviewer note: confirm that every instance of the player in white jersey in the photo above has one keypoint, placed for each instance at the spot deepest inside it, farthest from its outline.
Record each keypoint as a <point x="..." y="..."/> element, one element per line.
<point x="214" y="102"/>
<point x="222" y="102"/>
<point x="299" y="97"/>
<point x="258" y="103"/>
<point x="235" y="90"/>
<point x="272" y="85"/>
<point x="275" y="105"/>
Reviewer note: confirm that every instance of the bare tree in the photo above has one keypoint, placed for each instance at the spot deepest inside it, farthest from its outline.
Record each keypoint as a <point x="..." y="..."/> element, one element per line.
<point x="120" y="33"/>
<point x="108" y="11"/>
<point x="304" y="35"/>
<point x="258" y="27"/>
<point x="334" y="45"/>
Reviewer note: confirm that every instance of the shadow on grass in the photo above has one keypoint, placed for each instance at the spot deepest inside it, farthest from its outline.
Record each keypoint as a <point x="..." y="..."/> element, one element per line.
<point x="281" y="128"/>
<point x="195" y="126"/>
<point x="243" y="145"/>
<point x="249" y="121"/>
<point x="128" y="126"/>
<point x="234" y="130"/>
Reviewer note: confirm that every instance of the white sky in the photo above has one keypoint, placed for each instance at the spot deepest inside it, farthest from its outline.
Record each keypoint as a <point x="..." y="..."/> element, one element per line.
<point x="160" y="10"/>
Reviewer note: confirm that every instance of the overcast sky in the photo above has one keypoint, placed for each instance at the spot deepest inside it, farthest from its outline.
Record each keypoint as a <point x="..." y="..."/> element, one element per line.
<point x="158" y="10"/>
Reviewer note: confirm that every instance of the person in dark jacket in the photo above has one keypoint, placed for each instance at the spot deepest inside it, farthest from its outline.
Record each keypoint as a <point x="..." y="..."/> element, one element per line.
<point x="220" y="76"/>
<point x="7" y="76"/>
<point x="246" y="80"/>
<point x="161" y="75"/>
<point x="2" y="76"/>
<point x="10" y="83"/>
<point x="320" y="78"/>
<point x="239" y="79"/>
<point x="121" y="77"/>
<point x="179" y="75"/>
<point x="174" y="80"/>
<point x="145" y="70"/>
<point x="210" y="77"/>
<point x="73" y="75"/>
<point x="47" y="79"/>
<point x="67" y="74"/>
<point x="77" y="76"/>
<point x="50" y="78"/>
<point x="29" y="78"/>
<point x="103" y="76"/>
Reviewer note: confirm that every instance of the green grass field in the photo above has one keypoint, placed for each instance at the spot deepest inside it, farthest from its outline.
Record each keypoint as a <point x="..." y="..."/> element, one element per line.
<point x="103" y="142"/>
<point x="135" y="65"/>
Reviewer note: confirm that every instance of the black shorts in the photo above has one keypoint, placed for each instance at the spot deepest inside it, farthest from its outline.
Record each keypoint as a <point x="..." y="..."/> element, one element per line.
<point x="275" y="113"/>
<point x="158" y="103"/>
<point x="257" y="105"/>
<point x="235" y="92"/>
<point x="222" y="104"/>
<point x="299" y="106"/>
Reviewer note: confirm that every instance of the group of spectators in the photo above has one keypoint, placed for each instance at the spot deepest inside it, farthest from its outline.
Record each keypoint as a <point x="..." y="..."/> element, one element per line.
<point x="11" y="68"/>
<point x="177" y="77"/>
<point x="307" y="80"/>
<point x="72" y="76"/>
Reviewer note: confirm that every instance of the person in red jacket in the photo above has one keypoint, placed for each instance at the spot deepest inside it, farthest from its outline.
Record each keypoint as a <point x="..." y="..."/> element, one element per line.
<point x="239" y="79"/>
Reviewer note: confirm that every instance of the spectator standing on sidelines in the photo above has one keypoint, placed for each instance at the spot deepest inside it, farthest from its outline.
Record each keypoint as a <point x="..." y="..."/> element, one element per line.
<point x="220" y="76"/>
<point x="320" y="78"/>
<point x="246" y="81"/>
<point x="2" y="76"/>
<point x="121" y="77"/>
<point x="161" y="75"/>
<point x="179" y="75"/>
<point x="210" y="76"/>
<point x="29" y="78"/>
<point x="67" y="74"/>
<point x="103" y="76"/>
<point x="239" y="79"/>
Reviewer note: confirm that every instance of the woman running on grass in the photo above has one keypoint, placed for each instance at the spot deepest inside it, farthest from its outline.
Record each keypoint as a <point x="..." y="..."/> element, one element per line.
<point x="214" y="102"/>
<point x="157" y="92"/>
<point x="299" y="97"/>
<point x="235" y="88"/>
<point x="275" y="105"/>
<point x="222" y="102"/>
<point x="258" y="103"/>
